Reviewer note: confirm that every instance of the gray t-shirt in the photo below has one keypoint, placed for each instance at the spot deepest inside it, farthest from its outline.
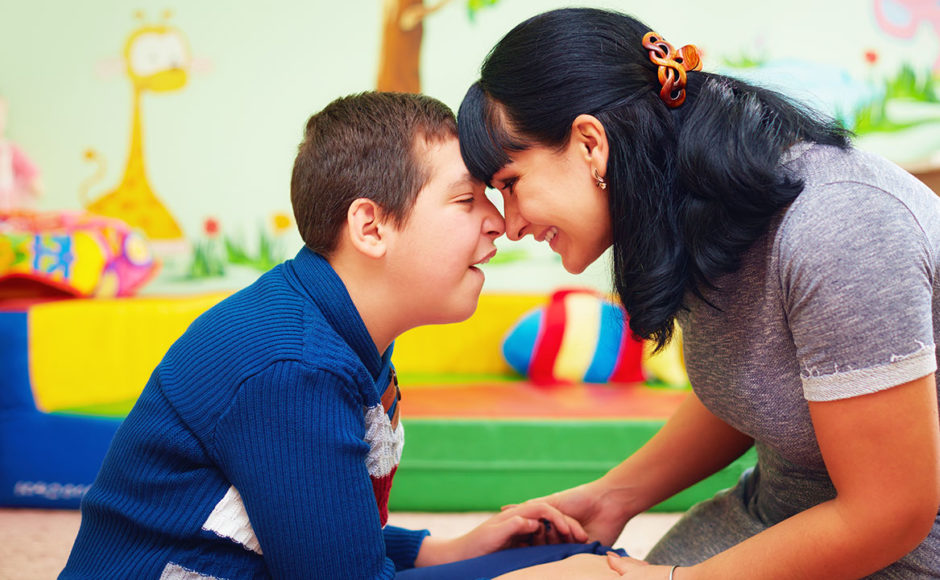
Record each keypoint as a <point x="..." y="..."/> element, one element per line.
<point x="838" y="299"/>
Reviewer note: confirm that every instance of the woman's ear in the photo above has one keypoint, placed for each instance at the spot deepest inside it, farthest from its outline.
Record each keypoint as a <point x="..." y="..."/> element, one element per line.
<point x="589" y="136"/>
<point x="366" y="228"/>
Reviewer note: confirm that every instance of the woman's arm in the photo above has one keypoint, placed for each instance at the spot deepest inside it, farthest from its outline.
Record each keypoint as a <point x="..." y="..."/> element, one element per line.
<point x="883" y="453"/>
<point x="692" y="445"/>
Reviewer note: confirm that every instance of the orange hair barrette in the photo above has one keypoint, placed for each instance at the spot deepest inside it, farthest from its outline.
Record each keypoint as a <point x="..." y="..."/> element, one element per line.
<point x="673" y="64"/>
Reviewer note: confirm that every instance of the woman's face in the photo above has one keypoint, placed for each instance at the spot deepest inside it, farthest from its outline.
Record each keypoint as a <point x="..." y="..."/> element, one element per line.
<point x="553" y="195"/>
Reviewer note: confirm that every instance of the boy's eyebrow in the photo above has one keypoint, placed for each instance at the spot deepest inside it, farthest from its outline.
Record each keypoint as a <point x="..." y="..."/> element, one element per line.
<point x="464" y="181"/>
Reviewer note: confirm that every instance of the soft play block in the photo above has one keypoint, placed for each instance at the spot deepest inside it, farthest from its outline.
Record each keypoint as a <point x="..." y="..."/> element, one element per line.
<point x="89" y="352"/>
<point x="481" y="446"/>
<point x="474" y="465"/>
<point x="45" y="460"/>
<point x="72" y="369"/>
<point x="479" y="436"/>
<point x="75" y="253"/>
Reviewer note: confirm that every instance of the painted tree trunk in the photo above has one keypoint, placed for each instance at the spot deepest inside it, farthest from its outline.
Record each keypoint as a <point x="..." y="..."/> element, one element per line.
<point x="400" y="57"/>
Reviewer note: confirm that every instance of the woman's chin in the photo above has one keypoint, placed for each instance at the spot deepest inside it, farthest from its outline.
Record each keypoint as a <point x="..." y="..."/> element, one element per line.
<point x="573" y="267"/>
<point x="577" y="264"/>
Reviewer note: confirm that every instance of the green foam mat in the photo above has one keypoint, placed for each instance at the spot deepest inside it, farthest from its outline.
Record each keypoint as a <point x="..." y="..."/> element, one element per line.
<point x="481" y="465"/>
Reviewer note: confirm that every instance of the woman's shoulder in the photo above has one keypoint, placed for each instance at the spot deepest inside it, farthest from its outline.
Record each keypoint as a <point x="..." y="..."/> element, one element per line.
<point x="848" y="192"/>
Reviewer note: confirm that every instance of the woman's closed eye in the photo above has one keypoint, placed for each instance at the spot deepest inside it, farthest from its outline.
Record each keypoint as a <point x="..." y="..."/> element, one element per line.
<point x="509" y="185"/>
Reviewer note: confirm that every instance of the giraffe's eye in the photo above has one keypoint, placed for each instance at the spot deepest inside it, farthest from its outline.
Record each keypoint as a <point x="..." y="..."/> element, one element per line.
<point x="152" y="52"/>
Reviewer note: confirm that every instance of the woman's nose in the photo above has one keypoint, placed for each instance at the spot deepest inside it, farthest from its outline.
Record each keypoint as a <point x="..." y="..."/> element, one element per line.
<point x="515" y="225"/>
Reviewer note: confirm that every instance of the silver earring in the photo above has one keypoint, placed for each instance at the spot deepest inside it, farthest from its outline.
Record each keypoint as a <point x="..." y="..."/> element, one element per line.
<point x="599" y="180"/>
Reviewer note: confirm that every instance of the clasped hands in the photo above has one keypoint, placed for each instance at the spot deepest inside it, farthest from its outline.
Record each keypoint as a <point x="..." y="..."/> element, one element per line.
<point x="592" y="513"/>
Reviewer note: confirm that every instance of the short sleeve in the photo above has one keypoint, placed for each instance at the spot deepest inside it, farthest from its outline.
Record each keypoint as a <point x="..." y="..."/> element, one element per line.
<point x="856" y="273"/>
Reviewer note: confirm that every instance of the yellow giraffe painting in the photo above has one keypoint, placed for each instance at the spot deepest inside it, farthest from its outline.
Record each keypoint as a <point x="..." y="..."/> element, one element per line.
<point x="156" y="59"/>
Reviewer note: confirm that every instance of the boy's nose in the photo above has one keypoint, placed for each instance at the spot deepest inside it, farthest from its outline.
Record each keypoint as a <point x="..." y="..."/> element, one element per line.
<point x="493" y="224"/>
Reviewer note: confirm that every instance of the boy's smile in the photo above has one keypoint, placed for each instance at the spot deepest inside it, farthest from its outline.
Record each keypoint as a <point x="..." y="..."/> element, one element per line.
<point x="484" y="260"/>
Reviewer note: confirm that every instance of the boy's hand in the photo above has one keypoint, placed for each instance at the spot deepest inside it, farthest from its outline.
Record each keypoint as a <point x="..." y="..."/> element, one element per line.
<point x="530" y="524"/>
<point x="599" y="512"/>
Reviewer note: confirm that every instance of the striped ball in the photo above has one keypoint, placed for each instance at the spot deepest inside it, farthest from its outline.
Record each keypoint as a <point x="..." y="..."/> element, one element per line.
<point x="579" y="336"/>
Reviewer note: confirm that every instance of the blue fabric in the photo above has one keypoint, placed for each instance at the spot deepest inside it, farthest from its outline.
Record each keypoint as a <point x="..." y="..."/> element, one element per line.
<point x="49" y="460"/>
<point x="15" y="390"/>
<point x="46" y="460"/>
<point x="264" y="395"/>
<point x="497" y="563"/>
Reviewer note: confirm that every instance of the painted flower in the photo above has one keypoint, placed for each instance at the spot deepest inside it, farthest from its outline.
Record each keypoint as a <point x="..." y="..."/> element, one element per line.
<point x="282" y="222"/>
<point x="211" y="227"/>
<point x="871" y="57"/>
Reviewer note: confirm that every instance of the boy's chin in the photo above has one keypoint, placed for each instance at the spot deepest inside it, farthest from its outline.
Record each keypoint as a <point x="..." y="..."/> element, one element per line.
<point x="460" y="310"/>
<point x="464" y="312"/>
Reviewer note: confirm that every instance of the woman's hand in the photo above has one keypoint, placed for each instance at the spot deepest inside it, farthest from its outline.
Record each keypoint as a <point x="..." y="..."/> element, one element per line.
<point x="692" y="445"/>
<point x="529" y="524"/>
<point x="596" y="508"/>
<point x="633" y="569"/>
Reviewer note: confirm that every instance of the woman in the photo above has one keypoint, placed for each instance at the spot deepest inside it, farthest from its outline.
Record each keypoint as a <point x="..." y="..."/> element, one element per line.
<point x="803" y="274"/>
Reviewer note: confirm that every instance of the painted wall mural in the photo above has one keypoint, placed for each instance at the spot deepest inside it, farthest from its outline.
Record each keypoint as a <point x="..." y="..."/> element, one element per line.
<point x="402" y="34"/>
<point x="207" y="166"/>
<point x="892" y="104"/>
<point x="903" y="18"/>
<point x="156" y="60"/>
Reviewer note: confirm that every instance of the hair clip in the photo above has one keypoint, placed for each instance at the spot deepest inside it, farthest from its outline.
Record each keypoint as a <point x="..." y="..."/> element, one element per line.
<point x="673" y="64"/>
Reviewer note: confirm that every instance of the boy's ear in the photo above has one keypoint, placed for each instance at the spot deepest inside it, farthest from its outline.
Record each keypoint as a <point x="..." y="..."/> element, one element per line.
<point x="366" y="227"/>
<point x="590" y="137"/>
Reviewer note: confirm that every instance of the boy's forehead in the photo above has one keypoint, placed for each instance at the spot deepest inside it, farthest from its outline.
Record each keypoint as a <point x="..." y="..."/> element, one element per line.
<point x="446" y="166"/>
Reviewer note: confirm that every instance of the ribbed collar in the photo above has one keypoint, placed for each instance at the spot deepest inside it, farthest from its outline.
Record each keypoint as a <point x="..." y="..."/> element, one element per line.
<point x="318" y="280"/>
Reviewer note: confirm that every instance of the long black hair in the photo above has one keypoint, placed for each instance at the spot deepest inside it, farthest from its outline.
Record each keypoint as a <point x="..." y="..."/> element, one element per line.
<point x="690" y="188"/>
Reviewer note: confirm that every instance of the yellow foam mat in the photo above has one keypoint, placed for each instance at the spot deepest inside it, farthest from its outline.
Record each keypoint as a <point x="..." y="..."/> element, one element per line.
<point x="88" y="352"/>
<point x="91" y="352"/>
<point x="472" y="346"/>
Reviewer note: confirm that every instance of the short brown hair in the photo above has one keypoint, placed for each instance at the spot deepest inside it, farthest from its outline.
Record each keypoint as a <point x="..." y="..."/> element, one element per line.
<point x="363" y="146"/>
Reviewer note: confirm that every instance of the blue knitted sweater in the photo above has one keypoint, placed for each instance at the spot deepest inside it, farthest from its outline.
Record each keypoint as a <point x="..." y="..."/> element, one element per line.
<point x="256" y="447"/>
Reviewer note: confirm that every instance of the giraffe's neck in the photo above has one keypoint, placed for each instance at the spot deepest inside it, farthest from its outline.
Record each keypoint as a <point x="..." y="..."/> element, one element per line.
<point x="135" y="174"/>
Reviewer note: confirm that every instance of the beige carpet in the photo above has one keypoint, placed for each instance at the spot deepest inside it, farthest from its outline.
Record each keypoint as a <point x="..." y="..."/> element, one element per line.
<point x="34" y="544"/>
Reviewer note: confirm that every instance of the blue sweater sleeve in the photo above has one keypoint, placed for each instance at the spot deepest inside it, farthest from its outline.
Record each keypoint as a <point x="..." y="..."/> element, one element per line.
<point x="292" y="443"/>
<point x="402" y="545"/>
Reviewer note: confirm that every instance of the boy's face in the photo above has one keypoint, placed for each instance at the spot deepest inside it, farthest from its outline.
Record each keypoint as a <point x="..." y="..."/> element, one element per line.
<point x="450" y="230"/>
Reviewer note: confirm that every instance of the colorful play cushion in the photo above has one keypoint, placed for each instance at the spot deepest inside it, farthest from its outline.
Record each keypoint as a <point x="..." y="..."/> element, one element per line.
<point x="76" y="253"/>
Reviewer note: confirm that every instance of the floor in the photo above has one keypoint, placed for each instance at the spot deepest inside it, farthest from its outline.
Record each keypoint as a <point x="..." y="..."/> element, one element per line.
<point x="34" y="544"/>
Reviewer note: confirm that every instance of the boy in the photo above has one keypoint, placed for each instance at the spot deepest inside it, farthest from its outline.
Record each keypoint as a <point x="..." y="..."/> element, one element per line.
<point x="265" y="442"/>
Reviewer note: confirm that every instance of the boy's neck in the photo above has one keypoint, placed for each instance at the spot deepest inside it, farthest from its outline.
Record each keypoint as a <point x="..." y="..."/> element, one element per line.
<point x="373" y="300"/>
